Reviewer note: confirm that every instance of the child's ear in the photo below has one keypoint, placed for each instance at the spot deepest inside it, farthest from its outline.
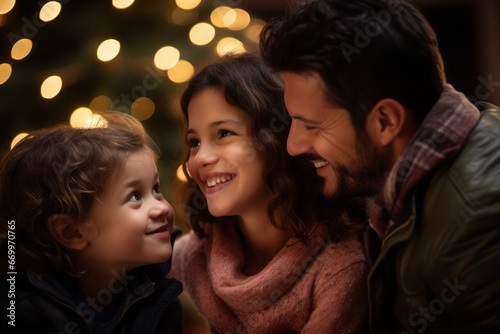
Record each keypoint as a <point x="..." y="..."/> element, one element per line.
<point x="67" y="232"/>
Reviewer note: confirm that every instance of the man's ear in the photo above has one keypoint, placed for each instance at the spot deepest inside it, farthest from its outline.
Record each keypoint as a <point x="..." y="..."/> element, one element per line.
<point x="67" y="232"/>
<point x="386" y="120"/>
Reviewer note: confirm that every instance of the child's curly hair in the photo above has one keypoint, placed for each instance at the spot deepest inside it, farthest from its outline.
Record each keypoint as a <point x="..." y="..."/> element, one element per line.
<point x="61" y="170"/>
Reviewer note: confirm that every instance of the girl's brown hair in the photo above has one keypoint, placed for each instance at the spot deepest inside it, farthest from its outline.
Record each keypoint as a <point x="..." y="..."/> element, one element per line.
<point x="296" y="203"/>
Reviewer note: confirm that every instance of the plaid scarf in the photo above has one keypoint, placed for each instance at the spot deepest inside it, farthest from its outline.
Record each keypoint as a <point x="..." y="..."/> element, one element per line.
<point x="442" y="134"/>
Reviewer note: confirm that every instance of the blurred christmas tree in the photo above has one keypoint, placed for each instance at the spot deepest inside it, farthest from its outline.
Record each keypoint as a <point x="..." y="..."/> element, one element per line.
<point x="57" y="57"/>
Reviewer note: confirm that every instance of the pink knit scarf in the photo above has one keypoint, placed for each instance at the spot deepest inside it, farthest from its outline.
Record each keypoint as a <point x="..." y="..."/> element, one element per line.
<point x="443" y="133"/>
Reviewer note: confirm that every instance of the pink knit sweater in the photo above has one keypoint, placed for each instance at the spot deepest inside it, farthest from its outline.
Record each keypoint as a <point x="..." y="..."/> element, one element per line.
<point x="318" y="287"/>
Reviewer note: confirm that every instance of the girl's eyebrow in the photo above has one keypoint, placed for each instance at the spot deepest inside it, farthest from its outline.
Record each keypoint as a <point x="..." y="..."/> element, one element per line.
<point x="221" y="122"/>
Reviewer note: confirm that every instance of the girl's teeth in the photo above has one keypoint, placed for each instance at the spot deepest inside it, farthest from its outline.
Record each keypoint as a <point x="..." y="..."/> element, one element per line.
<point x="217" y="180"/>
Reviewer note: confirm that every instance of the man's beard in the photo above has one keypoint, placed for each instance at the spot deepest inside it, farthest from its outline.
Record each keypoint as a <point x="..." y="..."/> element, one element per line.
<point x="365" y="176"/>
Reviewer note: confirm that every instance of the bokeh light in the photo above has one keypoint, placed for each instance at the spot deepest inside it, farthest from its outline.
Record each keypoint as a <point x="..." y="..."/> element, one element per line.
<point x="221" y="16"/>
<point x="79" y="117"/>
<point x="142" y="108"/>
<point x="187" y="4"/>
<point x="101" y="102"/>
<point x="181" y="72"/>
<point x="108" y="50"/>
<point x="229" y="45"/>
<point x="6" y="6"/>
<point x="84" y="118"/>
<point x="51" y="87"/>
<point x="241" y="20"/>
<point x="122" y="4"/>
<point x="202" y="33"/>
<point x="180" y="174"/>
<point x="50" y="11"/>
<point x="5" y="72"/>
<point x="17" y="139"/>
<point x="21" y="49"/>
<point x="254" y="29"/>
<point x="166" y="57"/>
<point x="184" y="17"/>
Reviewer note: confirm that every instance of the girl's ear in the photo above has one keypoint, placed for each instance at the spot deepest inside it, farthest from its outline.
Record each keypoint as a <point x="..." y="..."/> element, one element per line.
<point x="67" y="232"/>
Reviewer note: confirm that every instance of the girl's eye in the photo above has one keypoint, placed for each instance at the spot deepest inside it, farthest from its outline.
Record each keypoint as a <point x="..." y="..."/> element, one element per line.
<point x="156" y="190"/>
<point x="193" y="142"/>
<point x="134" y="198"/>
<point x="224" y="133"/>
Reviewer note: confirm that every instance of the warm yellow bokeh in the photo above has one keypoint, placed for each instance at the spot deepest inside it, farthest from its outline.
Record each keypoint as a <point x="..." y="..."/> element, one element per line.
<point x="108" y="50"/>
<point x="229" y="45"/>
<point x="221" y="16"/>
<point x="101" y="102"/>
<point x="187" y="4"/>
<point x="5" y="72"/>
<point x="254" y="29"/>
<point x="79" y="117"/>
<point x="166" y="57"/>
<point x="241" y="20"/>
<point x="180" y="174"/>
<point x="51" y="87"/>
<point x="6" y="6"/>
<point x="142" y="108"/>
<point x="181" y="72"/>
<point x="122" y="4"/>
<point x="21" y="49"/>
<point x="50" y="11"/>
<point x="17" y="139"/>
<point x="84" y="118"/>
<point x="202" y="33"/>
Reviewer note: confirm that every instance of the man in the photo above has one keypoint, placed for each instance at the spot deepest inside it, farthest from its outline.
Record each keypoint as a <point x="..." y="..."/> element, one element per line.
<point x="366" y="89"/>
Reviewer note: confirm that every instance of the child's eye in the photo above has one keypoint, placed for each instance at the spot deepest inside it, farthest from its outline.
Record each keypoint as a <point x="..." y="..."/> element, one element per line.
<point x="193" y="142"/>
<point x="156" y="190"/>
<point x="134" y="197"/>
<point x="224" y="133"/>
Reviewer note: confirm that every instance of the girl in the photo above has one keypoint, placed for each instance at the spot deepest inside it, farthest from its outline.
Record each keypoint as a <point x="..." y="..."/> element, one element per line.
<point x="92" y="231"/>
<point x="261" y="258"/>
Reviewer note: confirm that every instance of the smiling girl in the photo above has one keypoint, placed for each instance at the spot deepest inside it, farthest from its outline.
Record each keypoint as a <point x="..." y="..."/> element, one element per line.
<point x="262" y="256"/>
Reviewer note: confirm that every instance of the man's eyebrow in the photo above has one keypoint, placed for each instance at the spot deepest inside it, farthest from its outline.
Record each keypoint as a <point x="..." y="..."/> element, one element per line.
<point x="305" y="120"/>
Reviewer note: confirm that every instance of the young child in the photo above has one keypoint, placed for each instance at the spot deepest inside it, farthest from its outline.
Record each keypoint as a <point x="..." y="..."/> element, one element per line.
<point x="92" y="231"/>
<point x="260" y="258"/>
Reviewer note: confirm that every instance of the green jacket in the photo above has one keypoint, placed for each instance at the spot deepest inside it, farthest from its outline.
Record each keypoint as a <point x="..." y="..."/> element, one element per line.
<point x="439" y="272"/>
